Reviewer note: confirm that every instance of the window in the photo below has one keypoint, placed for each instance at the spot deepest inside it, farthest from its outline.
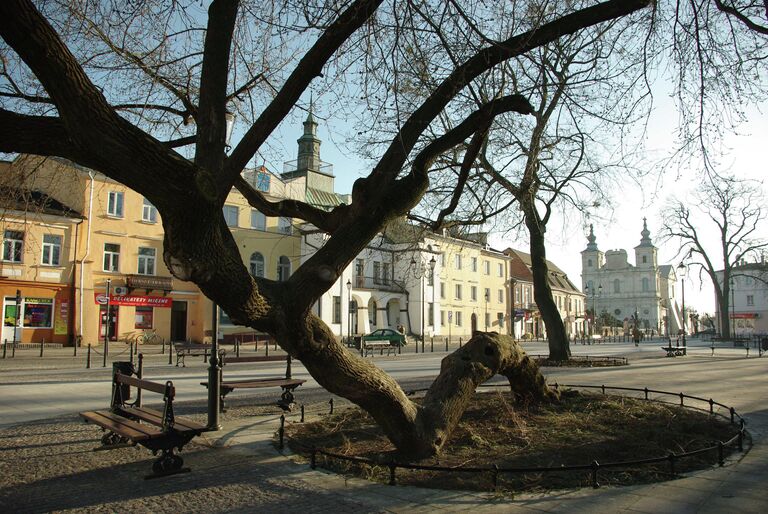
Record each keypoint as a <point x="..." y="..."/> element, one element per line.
<point x="51" y="250"/>
<point x="474" y="264"/>
<point x="376" y="272"/>
<point x="257" y="264"/>
<point x="458" y="291"/>
<point x="144" y="317"/>
<point x="283" y="268"/>
<point x="750" y="300"/>
<point x="258" y="220"/>
<point x="359" y="272"/>
<point x="458" y="318"/>
<point x="431" y="314"/>
<point x="372" y="310"/>
<point x="38" y="312"/>
<point x="262" y="181"/>
<point x="146" y="261"/>
<point x="500" y="319"/>
<point x="385" y="273"/>
<point x="115" y="204"/>
<point x="500" y="268"/>
<point x="111" y="257"/>
<point x="617" y="286"/>
<point x="589" y="263"/>
<point x="13" y="241"/>
<point x="645" y="259"/>
<point x="284" y="225"/>
<point x="457" y="261"/>
<point x="442" y="260"/>
<point x="473" y="293"/>
<point x="148" y="212"/>
<point x="487" y="295"/>
<point x="337" y="309"/>
<point x="501" y="296"/>
<point x="230" y="215"/>
<point x="517" y="294"/>
<point x="442" y="318"/>
<point x="487" y="267"/>
<point x="646" y="285"/>
<point x="442" y="289"/>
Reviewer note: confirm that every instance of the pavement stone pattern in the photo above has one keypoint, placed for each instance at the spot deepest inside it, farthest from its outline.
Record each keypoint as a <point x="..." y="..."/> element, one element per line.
<point x="50" y="465"/>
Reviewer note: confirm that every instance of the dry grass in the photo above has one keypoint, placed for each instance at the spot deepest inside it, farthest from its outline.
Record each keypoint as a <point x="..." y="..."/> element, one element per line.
<point x="581" y="428"/>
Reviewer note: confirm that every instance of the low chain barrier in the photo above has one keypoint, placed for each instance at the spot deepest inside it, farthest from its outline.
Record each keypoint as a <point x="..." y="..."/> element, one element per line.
<point x="593" y="468"/>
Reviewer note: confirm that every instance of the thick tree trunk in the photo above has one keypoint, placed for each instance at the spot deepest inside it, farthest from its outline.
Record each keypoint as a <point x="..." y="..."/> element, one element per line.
<point x="559" y="347"/>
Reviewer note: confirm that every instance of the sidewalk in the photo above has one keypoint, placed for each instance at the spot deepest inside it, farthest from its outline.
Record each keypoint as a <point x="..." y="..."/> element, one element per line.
<point x="49" y="465"/>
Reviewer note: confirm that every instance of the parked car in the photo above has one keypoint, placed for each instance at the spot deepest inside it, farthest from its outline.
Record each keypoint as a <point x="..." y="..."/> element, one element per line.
<point x="394" y="337"/>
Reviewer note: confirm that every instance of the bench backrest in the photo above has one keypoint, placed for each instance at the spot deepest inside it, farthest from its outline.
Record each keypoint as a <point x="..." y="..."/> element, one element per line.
<point x="147" y="385"/>
<point x="258" y="358"/>
<point x="121" y="384"/>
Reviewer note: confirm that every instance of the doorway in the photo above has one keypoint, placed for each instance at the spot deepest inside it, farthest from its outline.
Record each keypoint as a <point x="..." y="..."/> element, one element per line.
<point x="179" y="321"/>
<point x="11" y="325"/>
<point x="114" y="314"/>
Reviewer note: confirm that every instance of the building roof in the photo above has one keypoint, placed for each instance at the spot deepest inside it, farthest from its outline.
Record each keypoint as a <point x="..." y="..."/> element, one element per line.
<point x="322" y="199"/>
<point x="520" y="269"/>
<point x="34" y="201"/>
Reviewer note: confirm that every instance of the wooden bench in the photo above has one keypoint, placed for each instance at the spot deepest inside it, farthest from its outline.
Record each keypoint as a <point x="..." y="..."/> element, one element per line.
<point x="673" y="351"/>
<point x="186" y="349"/>
<point x="286" y="382"/>
<point x="369" y="347"/>
<point x="156" y="430"/>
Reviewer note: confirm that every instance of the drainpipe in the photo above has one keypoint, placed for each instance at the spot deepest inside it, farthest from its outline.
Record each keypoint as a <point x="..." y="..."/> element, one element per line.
<point x="87" y="251"/>
<point x="73" y="291"/>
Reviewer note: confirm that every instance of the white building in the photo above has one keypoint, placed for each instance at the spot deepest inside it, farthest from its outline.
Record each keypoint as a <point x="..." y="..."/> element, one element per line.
<point x="645" y="289"/>
<point x="749" y="298"/>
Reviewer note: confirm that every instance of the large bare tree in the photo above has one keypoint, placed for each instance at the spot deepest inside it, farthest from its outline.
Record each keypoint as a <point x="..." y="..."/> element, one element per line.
<point x="114" y="87"/>
<point x="720" y="226"/>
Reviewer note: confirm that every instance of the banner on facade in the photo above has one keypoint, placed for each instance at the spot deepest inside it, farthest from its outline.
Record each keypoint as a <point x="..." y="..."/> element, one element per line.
<point x="743" y="315"/>
<point x="134" y="300"/>
<point x="61" y="321"/>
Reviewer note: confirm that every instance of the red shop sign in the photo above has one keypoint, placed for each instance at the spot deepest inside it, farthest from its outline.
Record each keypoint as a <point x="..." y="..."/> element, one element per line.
<point x="134" y="300"/>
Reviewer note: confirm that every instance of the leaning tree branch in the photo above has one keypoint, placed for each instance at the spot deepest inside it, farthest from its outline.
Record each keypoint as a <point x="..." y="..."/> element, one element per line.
<point x="40" y="135"/>
<point x="324" y="220"/>
<point x="731" y="10"/>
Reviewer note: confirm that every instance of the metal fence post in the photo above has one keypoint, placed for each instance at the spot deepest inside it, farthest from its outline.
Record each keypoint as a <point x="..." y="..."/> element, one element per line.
<point x="42" y="344"/>
<point x="88" y="360"/>
<point x="5" y="347"/>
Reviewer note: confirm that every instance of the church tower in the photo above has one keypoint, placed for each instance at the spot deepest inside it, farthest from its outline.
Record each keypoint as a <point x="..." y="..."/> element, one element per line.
<point x="309" y="146"/>
<point x="591" y="258"/>
<point x="645" y="252"/>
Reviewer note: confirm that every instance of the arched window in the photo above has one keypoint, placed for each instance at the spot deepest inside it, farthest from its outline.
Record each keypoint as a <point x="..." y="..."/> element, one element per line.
<point x="617" y="286"/>
<point x="372" y="309"/>
<point x="257" y="264"/>
<point x="283" y="268"/>
<point x="646" y="284"/>
<point x="589" y="263"/>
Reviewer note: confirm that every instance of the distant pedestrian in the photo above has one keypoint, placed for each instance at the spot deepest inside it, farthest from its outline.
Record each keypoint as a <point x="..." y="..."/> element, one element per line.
<point x="636" y="336"/>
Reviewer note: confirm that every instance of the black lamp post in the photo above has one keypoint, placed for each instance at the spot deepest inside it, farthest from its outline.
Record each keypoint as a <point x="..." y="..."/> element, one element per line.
<point x="349" y="315"/>
<point x="421" y="272"/>
<point x="18" y="316"/>
<point x="681" y="270"/>
<point x="594" y="304"/>
<point x="106" y="324"/>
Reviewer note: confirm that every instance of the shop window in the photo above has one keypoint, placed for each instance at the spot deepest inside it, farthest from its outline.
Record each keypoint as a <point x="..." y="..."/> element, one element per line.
<point x="38" y="312"/>
<point x="51" y="250"/>
<point x="115" y="204"/>
<point x="144" y="317"/>
<point x="146" y="261"/>
<point x="13" y="241"/>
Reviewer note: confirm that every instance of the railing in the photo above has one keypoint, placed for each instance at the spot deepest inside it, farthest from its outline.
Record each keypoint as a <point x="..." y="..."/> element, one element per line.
<point x="593" y="467"/>
<point x="379" y="283"/>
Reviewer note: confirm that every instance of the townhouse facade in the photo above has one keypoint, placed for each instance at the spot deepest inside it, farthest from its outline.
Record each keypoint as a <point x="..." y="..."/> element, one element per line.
<point x="748" y="312"/>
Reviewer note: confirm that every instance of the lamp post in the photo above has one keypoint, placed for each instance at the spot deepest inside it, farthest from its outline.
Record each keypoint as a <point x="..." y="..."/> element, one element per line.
<point x="732" y="322"/>
<point x="420" y="272"/>
<point x="681" y="270"/>
<point x="512" y="317"/>
<point x="106" y="324"/>
<point x="587" y="291"/>
<point x="214" y="364"/>
<point x="349" y="314"/>
<point x="487" y="295"/>
<point x="18" y="316"/>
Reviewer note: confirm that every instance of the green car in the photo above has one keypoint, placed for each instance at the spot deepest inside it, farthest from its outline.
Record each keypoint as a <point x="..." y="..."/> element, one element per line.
<point x="394" y="337"/>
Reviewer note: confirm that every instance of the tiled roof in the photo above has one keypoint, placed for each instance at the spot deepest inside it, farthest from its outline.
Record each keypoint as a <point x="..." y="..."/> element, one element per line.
<point x="322" y="199"/>
<point x="520" y="269"/>
<point x="34" y="201"/>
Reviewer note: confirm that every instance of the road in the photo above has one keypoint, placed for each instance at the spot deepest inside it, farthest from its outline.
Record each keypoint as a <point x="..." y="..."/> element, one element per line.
<point x="28" y="393"/>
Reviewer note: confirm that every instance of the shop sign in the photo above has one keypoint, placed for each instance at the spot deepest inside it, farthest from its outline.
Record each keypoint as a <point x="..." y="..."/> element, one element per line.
<point x="149" y="282"/>
<point x="743" y="315"/>
<point x="134" y="300"/>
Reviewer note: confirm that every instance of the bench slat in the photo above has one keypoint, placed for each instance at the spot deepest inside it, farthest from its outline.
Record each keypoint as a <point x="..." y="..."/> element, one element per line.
<point x="264" y="382"/>
<point x="122" y="426"/>
<point x="145" y="385"/>
<point x="156" y="418"/>
<point x="260" y="358"/>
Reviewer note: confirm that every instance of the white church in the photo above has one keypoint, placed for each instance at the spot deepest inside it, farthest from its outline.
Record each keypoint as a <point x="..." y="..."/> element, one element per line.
<point x="645" y="289"/>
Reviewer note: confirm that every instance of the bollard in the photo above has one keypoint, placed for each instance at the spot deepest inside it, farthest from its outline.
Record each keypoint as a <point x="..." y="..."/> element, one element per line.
<point x="330" y="402"/>
<point x="281" y="431"/>
<point x="446" y="344"/>
<point x="5" y="347"/>
<point x="266" y="349"/>
<point x="88" y="360"/>
<point x="42" y="344"/>
<point x="416" y="345"/>
<point x="170" y="355"/>
<point x="459" y="342"/>
<point x="302" y="413"/>
<point x="237" y="347"/>
<point x="313" y="458"/>
<point x="162" y="347"/>
<point x="422" y="343"/>
<point x="432" y="344"/>
<point x="13" y="349"/>
<point x="74" y="345"/>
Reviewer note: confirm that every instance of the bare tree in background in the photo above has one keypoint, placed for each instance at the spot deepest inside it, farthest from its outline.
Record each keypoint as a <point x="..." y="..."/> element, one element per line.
<point x="725" y="225"/>
<point x="116" y="86"/>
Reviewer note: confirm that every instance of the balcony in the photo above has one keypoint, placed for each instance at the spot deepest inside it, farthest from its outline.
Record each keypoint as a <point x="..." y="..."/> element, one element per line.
<point x="377" y="284"/>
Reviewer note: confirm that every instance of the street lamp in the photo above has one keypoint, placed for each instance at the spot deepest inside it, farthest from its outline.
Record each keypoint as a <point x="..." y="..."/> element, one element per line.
<point x="681" y="270"/>
<point x="487" y="298"/>
<point x="18" y="316"/>
<point x="594" y="304"/>
<point x="349" y="314"/>
<point x="420" y="272"/>
<point x="106" y="324"/>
